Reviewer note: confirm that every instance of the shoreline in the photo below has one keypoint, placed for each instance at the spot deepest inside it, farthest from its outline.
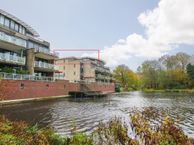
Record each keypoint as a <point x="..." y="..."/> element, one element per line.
<point x="168" y="90"/>
<point x="18" y="101"/>
<point x="39" y="99"/>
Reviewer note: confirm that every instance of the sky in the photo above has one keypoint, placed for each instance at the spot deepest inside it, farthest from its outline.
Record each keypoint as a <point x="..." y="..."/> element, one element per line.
<point x="126" y="31"/>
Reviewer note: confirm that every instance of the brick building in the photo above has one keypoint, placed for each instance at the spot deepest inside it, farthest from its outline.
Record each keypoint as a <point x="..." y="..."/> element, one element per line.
<point x="83" y="69"/>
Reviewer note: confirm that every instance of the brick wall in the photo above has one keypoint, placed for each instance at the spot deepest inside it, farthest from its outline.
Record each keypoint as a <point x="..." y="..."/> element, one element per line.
<point x="12" y="89"/>
<point x="101" y="87"/>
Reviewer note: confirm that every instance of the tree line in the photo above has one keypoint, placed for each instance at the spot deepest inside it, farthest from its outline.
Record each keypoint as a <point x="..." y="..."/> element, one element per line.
<point x="167" y="72"/>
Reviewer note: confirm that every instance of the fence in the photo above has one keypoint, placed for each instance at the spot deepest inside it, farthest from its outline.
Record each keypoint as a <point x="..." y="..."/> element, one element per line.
<point x="12" y="76"/>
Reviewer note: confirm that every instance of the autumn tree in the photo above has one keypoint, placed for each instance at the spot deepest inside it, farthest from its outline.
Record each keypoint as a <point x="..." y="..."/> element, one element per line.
<point x="149" y="70"/>
<point x="167" y="72"/>
<point x="126" y="77"/>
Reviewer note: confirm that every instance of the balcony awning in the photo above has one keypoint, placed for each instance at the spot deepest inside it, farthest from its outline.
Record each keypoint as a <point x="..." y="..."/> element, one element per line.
<point x="40" y="69"/>
<point x="45" y="56"/>
<point x="11" y="63"/>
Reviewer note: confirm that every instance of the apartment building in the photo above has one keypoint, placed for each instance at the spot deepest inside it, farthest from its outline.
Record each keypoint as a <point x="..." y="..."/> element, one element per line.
<point x="22" y="49"/>
<point x="83" y="69"/>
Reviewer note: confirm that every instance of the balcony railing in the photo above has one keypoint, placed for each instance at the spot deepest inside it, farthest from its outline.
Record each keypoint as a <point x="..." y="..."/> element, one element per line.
<point x="12" y="58"/>
<point x="103" y="77"/>
<point x="43" y="65"/>
<point x="45" y="50"/>
<point x="12" y="39"/>
<point x="10" y="76"/>
<point x="102" y="69"/>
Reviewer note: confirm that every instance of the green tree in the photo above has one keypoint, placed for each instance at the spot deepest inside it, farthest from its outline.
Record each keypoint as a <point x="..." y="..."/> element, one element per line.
<point x="190" y="73"/>
<point x="150" y="72"/>
<point x="126" y="77"/>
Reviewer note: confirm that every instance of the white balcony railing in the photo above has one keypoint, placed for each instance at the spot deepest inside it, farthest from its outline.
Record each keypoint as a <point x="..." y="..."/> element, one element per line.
<point x="12" y="39"/>
<point x="11" y="76"/>
<point x="45" y="50"/>
<point x="41" y="64"/>
<point x="12" y="58"/>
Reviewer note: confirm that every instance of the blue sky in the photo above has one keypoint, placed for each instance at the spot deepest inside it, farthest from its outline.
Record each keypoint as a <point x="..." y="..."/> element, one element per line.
<point x="85" y="23"/>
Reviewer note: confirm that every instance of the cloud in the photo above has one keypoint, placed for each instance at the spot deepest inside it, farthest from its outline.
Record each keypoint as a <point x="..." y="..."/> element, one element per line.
<point x="167" y="26"/>
<point x="170" y="23"/>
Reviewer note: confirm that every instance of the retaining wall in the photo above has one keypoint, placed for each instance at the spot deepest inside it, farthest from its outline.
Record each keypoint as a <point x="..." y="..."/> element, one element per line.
<point x="16" y="89"/>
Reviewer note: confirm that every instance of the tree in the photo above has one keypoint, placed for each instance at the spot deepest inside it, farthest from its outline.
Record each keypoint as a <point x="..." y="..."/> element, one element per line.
<point x="126" y="77"/>
<point x="190" y="73"/>
<point x="178" y="61"/>
<point x="150" y="73"/>
<point x="167" y="72"/>
<point x="183" y="60"/>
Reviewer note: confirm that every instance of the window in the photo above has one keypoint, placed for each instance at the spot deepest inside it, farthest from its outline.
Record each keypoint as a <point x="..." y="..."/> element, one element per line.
<point x="12" y="25"/>
<point x="23" y="30"/>
<point x="20" y="29"/>
<point x="30" y="45"/>
<point x="16" y="27"/>
<point x="36" y="47"/>
<point x="74" y="65"/>
<point x="1" y="19"/>
<point x="64" y="67"/>
<point x="74" y="73"/>
<point x="6" y="22"/>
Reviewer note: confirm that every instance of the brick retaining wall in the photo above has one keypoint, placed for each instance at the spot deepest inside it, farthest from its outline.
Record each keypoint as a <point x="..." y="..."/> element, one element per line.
<point x="16" y="89"/>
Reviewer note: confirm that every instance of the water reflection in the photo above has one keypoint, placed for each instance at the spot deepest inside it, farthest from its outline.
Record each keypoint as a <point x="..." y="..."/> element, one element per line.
<point x="86" y="113"/>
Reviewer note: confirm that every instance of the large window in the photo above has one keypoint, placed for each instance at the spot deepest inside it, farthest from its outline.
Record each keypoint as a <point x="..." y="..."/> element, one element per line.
<point x="1" y="19"/>
<point x="22" y="30"/>
<point x="16" y="27"/>
<point x="6" y="22"/>
<point x="12" y="25"/>
<point x="30" y="45"/>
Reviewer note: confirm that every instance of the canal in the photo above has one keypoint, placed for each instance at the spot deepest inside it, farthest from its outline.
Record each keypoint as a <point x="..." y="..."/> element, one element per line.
<point x="86" y="113"/>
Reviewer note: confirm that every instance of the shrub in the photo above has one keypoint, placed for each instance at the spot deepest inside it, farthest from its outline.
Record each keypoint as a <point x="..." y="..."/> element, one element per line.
<point x="150" y="127"/>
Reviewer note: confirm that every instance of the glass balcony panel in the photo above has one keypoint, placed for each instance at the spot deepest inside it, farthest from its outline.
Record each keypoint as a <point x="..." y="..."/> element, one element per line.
<point x="12" y="58"/>
<point x="41" y="64"/>
<point x="12" y="39"/>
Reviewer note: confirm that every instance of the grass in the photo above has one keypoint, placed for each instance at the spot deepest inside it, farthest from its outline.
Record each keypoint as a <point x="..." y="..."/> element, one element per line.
<point x="114" y="132"/>
<point x="169" y="90"/>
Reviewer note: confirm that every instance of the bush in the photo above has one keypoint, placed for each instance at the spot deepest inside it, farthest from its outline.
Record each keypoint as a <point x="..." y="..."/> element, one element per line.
<point x="150" y="127"/>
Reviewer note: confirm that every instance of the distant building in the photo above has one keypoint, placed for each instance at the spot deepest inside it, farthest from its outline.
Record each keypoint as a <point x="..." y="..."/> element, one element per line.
<point x="83" y="69"/>
<point x="21" y="48"/>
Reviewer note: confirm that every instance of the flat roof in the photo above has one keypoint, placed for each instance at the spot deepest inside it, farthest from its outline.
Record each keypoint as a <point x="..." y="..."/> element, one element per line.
<point x="29" y="28"/>
<point x="81" y="58"/>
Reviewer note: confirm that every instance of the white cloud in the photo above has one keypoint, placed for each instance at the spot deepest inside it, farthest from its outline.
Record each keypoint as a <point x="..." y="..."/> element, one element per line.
<point x="170" y="23"/>
<point x="166" y="26"/>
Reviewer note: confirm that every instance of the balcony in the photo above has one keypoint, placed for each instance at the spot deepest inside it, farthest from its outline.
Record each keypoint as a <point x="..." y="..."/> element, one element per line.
<point x="12" y="39"/>
<point x="45" y="65"/>
<point x="45" y="50"/>
<point x="6" y="57"/>
<point x="102" y="77"/>
<point x="11" y="76"/>
<point x="102" y="70"/>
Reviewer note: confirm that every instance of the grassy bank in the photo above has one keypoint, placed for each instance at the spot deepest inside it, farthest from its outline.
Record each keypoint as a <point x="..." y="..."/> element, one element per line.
<point x="169" y="90"/>
<point x="164" y="132"/>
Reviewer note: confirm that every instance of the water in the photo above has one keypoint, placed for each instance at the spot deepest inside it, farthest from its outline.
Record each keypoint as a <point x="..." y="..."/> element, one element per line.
<point x="86" y="113"/>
